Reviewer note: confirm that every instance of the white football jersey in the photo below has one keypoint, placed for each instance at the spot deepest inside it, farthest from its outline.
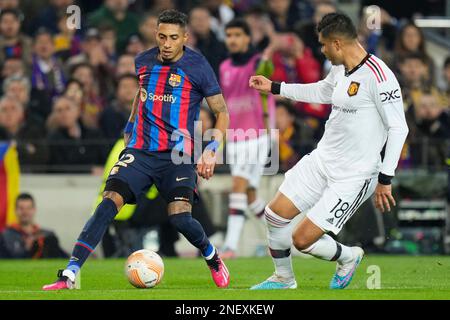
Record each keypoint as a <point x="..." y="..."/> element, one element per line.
<point x="367" y="109"/>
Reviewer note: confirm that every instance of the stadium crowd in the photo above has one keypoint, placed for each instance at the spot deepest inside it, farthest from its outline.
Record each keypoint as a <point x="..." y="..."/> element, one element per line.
<point x="66" y="93"/>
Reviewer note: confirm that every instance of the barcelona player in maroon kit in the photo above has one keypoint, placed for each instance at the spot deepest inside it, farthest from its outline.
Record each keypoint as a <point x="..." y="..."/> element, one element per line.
<point x="173" y="81"/>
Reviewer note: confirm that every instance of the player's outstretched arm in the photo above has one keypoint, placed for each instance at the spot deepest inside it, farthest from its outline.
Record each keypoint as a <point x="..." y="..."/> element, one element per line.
<point x="129" y="127"/>
<point x="319" y="92"/>
<point x="206" y="163"/>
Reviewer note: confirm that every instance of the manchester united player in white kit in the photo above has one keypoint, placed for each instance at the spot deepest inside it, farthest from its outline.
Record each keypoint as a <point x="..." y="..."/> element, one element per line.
<point x="346" y="168"/>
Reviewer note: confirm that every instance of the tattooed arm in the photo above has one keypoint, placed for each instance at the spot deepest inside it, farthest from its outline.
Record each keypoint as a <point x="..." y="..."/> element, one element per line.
<point x="219" y="108"/>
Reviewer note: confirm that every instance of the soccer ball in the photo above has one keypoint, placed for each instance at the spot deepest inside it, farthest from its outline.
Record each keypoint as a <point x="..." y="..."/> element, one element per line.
<point x="144" y="268"/>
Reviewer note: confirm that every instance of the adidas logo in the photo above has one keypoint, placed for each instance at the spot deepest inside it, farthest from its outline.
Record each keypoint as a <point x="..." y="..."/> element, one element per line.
<point x="330" y="221"/>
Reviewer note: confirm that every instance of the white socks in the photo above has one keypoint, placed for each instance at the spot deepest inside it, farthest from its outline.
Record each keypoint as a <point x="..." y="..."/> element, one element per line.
<point x="280" y="242"/>
<point x="236" y="220"/>
<point x="257" y="207"/>
<point x="326" y="248"/>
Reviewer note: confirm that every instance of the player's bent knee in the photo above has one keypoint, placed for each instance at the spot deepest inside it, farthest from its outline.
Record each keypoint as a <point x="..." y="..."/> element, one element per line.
<point x="119" y="192"/>
<point x="177" y="207"/>
<point x="115" y="197"/>
<point x="180" y="200"/>
<point x="283" y="207"/>
<point x="300" y="242"/>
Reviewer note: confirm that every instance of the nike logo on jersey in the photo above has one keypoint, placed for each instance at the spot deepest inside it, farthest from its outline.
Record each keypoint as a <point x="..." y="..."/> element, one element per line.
<point x="181" y="179"/>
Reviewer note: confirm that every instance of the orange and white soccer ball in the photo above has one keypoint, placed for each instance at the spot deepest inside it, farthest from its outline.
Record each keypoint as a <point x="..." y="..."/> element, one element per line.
<point x="144" y="268"/>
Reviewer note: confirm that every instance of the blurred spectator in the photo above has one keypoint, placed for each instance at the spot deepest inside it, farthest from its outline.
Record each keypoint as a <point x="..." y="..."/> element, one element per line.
<point x="91" y="40"/>
<point x="379" y="40"/>
<point x="428" y="119"/>
<point x="116" y="14"/>
<point x="49" y="16"/>
<point x="295" y="63"/>
<point x="67" y="42"/>
<point x="11" y="66"/>
<point x="414" y="77"/>
<point x="75" y="92"/>
<point x="72" y="144"/>
<point x="410" y="40"/>
<point x="93" y="101"/>
<point x="17" y="87"/>
<point x="284" y="14"/>
<point x="161" y="5"/>
<point x="295" y="138"/>
<point x="96" y="54"/>
<point x="135" y="45"/>
<point x="220" y="15"/>
<point x="104" y="60"/>
<point x="12" y="42"/>
<point x="125" y="65"/>
<point x="26" y="239"/>
<point x="108" y="39"/>
<point x="37" y="105"/>
<point x="147" y="29"/>
<point x="204" y="39"/>
<point x="29" y="137"/>
<point x="261" y="28"/>
<point x="243" y="7"/>
<point x="307" y="31"/>
<point x="9" y="4"/>
<point x="114" y="118"/>
<point x="47" y="70"/>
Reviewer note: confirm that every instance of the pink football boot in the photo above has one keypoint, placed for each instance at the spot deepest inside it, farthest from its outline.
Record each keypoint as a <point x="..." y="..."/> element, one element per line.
<point x="64" y="281"/>
<point x="219" y="271"/>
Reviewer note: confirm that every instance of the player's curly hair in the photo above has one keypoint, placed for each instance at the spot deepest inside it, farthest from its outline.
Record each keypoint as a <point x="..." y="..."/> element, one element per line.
<point x="173" y="17"/>
<point x="337" y="24"/>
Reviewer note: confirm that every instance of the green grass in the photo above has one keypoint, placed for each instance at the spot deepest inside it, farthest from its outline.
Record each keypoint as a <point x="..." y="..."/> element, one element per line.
<point x="402" y="277"/>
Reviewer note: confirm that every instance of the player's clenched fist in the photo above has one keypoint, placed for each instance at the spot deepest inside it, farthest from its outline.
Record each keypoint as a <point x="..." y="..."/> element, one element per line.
<point x="260" y="83"/>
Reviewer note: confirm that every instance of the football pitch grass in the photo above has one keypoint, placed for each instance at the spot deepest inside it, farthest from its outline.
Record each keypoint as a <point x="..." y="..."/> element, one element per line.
<point x="401" y="277"/>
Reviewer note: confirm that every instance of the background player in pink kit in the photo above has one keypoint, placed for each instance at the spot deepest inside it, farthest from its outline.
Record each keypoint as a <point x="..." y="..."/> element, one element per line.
<point x="173" y="81"/>
<point x="250" y="112"/>
<point x="336" y="178"/>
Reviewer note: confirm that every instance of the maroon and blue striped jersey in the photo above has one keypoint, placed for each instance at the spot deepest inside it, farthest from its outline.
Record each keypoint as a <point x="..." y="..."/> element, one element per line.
<point x="169" y="100"/>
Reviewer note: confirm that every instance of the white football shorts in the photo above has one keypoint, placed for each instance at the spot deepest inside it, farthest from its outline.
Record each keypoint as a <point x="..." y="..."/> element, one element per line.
<point x="247" y="158"/>
<point x="328" y="204"/>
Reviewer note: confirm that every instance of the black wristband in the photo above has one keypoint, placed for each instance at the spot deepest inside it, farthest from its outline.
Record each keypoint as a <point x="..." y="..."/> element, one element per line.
<point x="275" y="88"/>
<point x="384" y="179"/>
